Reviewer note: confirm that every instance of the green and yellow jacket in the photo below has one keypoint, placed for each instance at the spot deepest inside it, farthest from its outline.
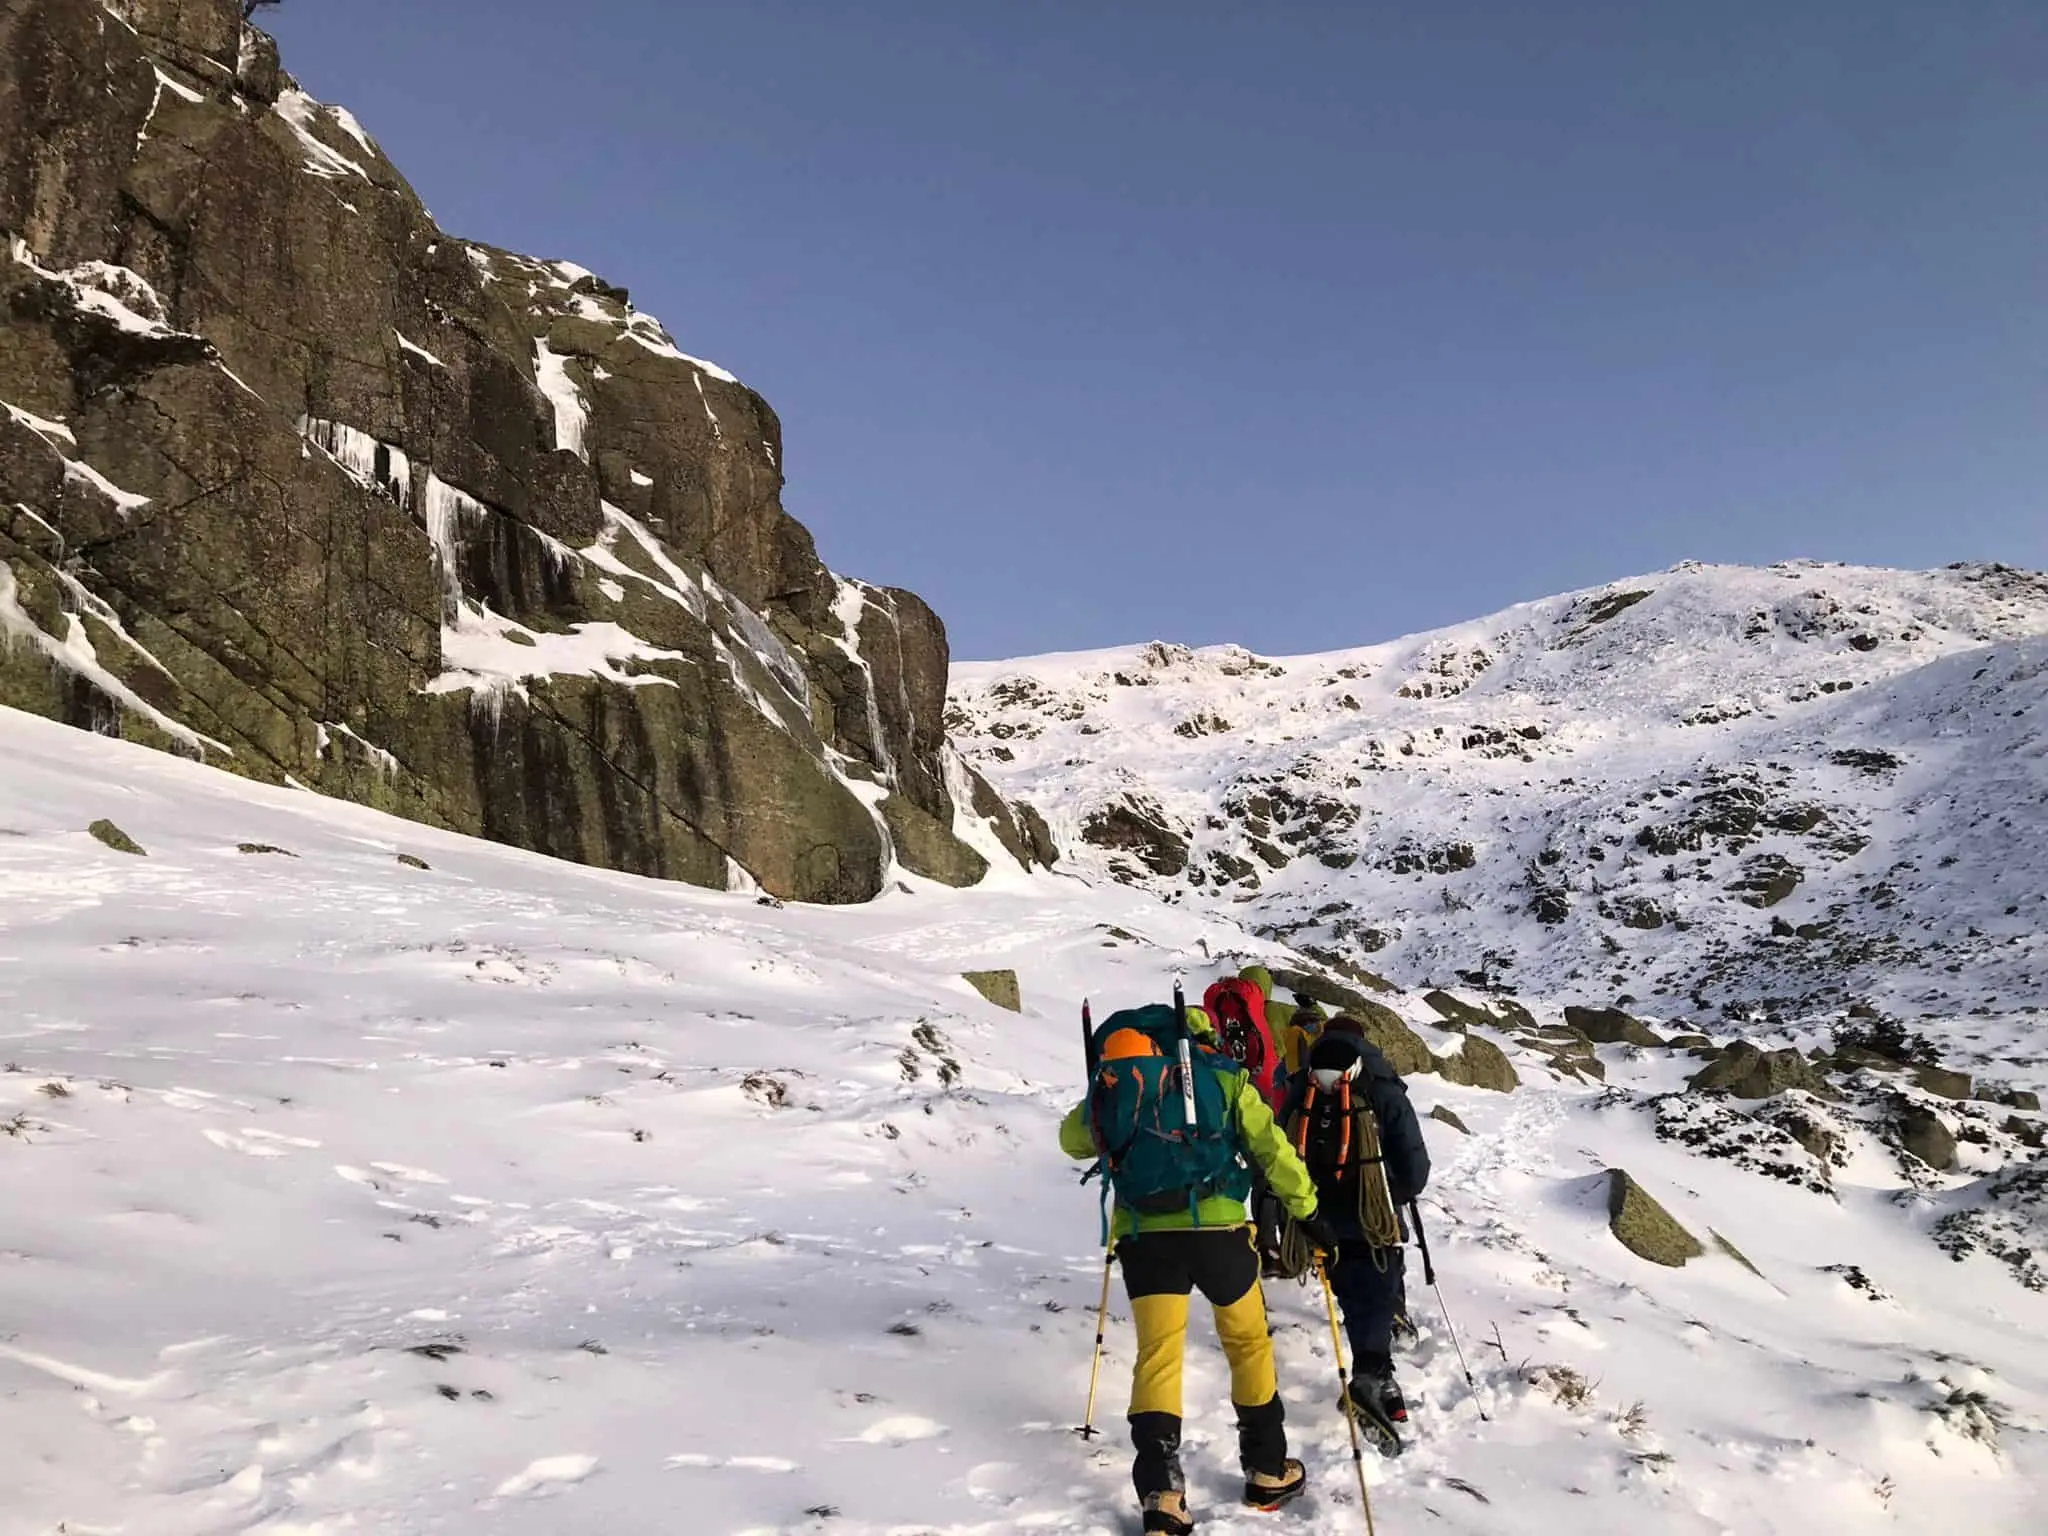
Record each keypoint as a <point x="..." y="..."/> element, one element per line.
<point x="1259" y="1140"/>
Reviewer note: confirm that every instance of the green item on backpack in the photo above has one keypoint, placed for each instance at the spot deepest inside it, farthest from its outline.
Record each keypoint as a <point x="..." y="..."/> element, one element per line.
<point x="1153" y="1159"/>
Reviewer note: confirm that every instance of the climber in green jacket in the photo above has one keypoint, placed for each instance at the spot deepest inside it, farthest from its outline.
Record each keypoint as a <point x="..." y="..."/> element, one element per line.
<point x="1204" y="1244"/>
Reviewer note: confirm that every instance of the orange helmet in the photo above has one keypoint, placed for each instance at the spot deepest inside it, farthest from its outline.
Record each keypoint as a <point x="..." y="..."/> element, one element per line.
<point x="1125" y="1043"/>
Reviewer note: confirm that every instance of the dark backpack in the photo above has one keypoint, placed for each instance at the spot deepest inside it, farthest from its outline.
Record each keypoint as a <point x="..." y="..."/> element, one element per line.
<point x="1339" y="1139"/>
<point x="1137" y="1113"/>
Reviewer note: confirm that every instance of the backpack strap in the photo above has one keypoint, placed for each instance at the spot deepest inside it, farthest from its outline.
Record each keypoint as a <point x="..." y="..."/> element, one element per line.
<point x="1302" y="1119"/>
<point x="1349" y="1118"/>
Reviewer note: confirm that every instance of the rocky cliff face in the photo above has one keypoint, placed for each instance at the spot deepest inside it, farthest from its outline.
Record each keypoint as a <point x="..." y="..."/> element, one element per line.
<point x="296" y="483"/>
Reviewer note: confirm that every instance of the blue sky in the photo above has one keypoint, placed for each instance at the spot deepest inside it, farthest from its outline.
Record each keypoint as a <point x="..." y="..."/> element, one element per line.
<point x="1298" y="324"/>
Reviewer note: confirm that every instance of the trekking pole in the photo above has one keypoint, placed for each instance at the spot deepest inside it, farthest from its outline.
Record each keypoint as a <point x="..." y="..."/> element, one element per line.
<point x="1344" y="1393"/>
<point x="1088" y="1431"/>
<point x="1429" y="1278"/>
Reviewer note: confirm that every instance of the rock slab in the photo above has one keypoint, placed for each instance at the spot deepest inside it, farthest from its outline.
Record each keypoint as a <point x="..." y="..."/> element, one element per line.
<point x="1644" y="1227"/>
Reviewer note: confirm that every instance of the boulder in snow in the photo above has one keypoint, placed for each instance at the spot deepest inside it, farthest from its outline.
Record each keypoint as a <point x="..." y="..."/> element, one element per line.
<point x="1478" y="1063"/>
<point x="1748" y="1072"/>
<point x="1610" y="1026"/>
<point x="1644" y="1227"/>
<point x="115" y="838"/>
<point x="1923" y="1133"/>
<point x="999" y="987"/>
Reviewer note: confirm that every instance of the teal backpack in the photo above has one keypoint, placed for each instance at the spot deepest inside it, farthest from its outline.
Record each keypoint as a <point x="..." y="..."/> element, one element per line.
<point x="1152" y="1157"/>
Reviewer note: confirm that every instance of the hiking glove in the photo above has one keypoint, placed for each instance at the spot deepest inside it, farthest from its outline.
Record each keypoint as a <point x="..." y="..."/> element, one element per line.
<point x="1317" y="1231"/>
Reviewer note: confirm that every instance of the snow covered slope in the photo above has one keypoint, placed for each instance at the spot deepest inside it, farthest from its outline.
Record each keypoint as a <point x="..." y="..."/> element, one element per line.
<point x="502" y="1195"/>
<point x="1768" y="792"/>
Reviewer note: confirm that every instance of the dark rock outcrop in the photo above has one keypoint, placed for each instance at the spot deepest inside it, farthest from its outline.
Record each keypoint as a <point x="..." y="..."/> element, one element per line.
<point x="1925" y="1135"/>
<point x="1136" y="825"/>
<point x="1748" y="1072"/>
<point x="1610" y="1026"/>
<point x="297" y="484"/>
<point x="1404" y="1049"/>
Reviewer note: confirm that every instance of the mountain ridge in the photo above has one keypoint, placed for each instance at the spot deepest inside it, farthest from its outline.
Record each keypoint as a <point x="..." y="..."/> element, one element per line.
<point x="1502" y="801"/>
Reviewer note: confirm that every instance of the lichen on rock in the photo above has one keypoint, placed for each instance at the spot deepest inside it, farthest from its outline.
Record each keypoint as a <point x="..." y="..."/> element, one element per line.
<point x="106" y="832"/>
<point x="1644" y="1227"/>
<point x="998" y="987"/>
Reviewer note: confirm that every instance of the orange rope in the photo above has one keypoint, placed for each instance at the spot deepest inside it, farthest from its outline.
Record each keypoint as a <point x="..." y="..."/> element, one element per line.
<point x="1344" y="1144"/>
<point x="1308" y="1105"/>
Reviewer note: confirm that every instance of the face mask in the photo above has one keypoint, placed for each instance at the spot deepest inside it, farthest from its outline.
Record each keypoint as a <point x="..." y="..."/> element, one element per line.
<point x="1327" y="1078"/>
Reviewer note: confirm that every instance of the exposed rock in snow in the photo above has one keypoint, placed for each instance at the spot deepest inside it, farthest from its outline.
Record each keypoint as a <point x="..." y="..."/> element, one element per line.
<point x="1764" y="792"/>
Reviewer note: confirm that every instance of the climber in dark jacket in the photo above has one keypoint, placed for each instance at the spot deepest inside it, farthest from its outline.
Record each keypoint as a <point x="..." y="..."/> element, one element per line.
<point x="1369" y="1278"/>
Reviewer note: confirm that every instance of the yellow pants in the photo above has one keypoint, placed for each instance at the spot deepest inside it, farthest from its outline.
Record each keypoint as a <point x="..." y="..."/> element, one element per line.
<point x="1161" y="1271"/>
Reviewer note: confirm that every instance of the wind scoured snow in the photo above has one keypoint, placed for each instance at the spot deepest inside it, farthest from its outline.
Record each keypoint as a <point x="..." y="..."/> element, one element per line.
<point x="848" y="606"/>
<point x="717" y="432"/>
<point x="345" y="120"/>
<point x="572" y="416"/>
<point x="409" y="345"/>
<point x="102" y="288"/>
<point x="679" y="586"/>
<point x="647" y="332"/>
<point x="54" y="433"/>
<point x="386" y="762"/>
<point x="479" y="654"/>
<point x="780" y="661"/>
<point x="513" y="1196"/>
<point x="299" y="112"/>
<point x="74" y="654"/>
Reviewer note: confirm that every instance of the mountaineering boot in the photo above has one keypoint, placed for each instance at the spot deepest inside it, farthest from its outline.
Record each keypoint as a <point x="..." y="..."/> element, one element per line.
<point x="1270" y="1490"/>
<point x="1363" y="1401"/>
<point x="1374" y="1378"/>
<point x="1168" y="1512"/>
<point x="1392" y="1403"/>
